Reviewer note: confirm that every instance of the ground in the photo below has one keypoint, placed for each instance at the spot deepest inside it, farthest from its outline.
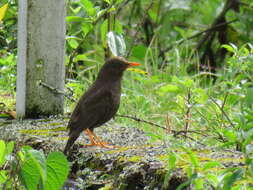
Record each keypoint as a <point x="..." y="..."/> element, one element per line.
<point x="137" y="163"/>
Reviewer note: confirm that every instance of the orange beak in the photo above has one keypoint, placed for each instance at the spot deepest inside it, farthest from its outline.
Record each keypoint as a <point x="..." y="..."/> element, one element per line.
<point x="132" y="64"/>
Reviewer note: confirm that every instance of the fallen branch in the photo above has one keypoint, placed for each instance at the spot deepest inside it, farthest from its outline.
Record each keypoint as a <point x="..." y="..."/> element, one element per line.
<point x="56" y="90"/>
<point x="196" y="35"/>
<point x="175" y="133"/>
<point x="141" y="120"/>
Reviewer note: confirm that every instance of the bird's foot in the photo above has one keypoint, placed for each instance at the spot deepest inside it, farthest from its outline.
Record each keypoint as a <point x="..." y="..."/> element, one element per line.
<point x="100" y="144"/>
<point x="97" y="141"/>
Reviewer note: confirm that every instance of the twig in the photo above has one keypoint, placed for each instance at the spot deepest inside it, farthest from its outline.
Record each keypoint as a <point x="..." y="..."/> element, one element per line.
<point x="122" y="6"/>
<point x="196" y="35"/>
<point x="134" y="38"/>
<point x="228" y="5"/>
<point x="56" y="90"/>
<point x="192" y="139"/>
<point x="188" y="111"/>
<point x="141" y="120"/>
<point x="175" y="133"/>
<point x="204" y="117"/>
<point x="222" y="110"/>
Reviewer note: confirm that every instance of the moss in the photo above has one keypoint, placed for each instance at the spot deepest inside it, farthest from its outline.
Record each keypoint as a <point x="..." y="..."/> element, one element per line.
<point x="107" y="187"/>
<point x="135" y="158"/>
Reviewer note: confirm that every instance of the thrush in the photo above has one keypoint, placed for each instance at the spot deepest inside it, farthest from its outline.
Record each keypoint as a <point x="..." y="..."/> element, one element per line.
<point x="99" y="103"/>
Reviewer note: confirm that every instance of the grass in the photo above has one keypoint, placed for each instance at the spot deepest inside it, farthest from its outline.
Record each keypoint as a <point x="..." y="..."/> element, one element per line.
<point x="215" y="111"/>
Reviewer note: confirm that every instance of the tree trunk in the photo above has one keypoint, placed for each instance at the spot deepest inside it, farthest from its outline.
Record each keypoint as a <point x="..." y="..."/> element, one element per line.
<point x="41" y="51"/>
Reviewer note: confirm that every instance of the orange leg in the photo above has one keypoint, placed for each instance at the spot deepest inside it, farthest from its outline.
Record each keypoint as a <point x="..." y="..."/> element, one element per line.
<point x="96" y="141"/>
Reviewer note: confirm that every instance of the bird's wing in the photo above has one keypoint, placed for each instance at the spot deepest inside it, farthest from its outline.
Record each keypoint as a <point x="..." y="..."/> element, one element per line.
<point x="92" y="110"/>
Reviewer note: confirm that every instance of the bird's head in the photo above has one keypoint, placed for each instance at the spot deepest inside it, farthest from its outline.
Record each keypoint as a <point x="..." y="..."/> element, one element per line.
<point x="115" y="67"/>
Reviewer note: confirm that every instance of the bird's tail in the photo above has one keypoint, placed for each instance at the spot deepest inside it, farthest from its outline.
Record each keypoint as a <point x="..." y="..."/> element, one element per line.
<point x="73" y="135"/>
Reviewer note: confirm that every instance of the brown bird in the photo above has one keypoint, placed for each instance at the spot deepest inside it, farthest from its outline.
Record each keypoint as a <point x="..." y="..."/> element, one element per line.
<point x="99" y="103"/>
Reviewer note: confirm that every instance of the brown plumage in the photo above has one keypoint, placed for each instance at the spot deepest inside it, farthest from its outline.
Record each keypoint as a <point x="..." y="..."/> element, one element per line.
<point x="99" y="103"/>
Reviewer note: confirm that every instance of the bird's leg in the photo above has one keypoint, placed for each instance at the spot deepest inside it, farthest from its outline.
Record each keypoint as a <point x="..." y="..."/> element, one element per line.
<point x="101" y="143"/>
<point x="96" y="141"/>
<point x="91" y="137"/>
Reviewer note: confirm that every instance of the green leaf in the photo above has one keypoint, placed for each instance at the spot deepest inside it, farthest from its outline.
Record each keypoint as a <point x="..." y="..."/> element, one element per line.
<point x="228" y="48"/>
<point x="73" y="43"/>
<point x="200" y="95"/>
<point x="2" y="152"/>
<point x="172" y="161"/>
<point x="211" y="164"/>
<point x="87" y="27"/>
<point x="187" y="183"/>
<point x="9" y="147"/>
<point x="103" y="31"/>
<point x="152" y="12"/>
<point x="116" y="44"/>
<point x="188" y="82"/>
<point x="40" y="159"/>
<point x="193" y="158"/>
<point x="57" y="171"/>
<point x="230" y="179"/>
<point x="74" y="19"/>
<point x="168" y="88"/>
<point x="249" y="97"/>
<point x="118" y="27"/>
<point x="89" y="7"/>
<point x="108" y="1"/>
<point x="230" y="134"/>
<point x="139" y="52"/>
<point x="3" y="176"/>
<point x="29" y="174"/>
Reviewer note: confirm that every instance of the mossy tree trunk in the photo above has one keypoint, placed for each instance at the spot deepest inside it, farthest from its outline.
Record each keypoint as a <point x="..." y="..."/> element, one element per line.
<point x="41" y="52"/>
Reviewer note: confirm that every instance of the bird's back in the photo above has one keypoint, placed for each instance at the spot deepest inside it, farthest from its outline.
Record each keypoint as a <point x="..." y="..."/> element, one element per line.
<point x="98" y="105"/>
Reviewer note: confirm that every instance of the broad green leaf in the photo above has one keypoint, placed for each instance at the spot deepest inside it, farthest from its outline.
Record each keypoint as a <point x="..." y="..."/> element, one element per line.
<point x="87" y="27"/>
<point x="89" y="7"/>
<point x="230" y="134"/>
<point x="29" y="174"/>
<point x="9" y="147"/>
<point x="40" y="159"/>
<point x="73" y="43"/>
<point x="116" y="44"/>
<point x="57" y="171"/>
<point x="2" y="152"/>
<point x="3" y="10"/>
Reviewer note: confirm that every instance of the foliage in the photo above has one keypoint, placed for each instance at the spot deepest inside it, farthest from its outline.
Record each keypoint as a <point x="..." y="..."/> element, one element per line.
<point x="29" y="169"/>
<point x="200" y="106"/>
